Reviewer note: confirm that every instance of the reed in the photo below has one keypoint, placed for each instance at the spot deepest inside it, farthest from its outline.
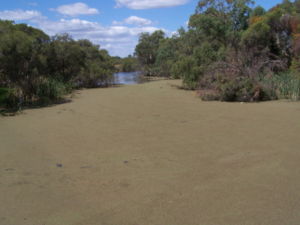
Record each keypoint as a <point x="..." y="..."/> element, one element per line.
<point x="288" y="86"/>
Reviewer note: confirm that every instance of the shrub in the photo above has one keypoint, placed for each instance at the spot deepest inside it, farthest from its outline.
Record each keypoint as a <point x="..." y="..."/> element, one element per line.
<point x="232" y="88"/>
<point x="9" y="98"/>
<point x="50" y="90"/>
<point x="94" y="76"/>
<point x="187" y="69"/>
<point x="3" y="95"/>
<point x="238" y="89"/>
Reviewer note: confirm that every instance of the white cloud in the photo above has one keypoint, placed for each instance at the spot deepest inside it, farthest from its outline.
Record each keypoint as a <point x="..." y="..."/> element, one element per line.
<point x="76" y="9"/>
<point x="66" y="26"/>
<point x="86" y="29"/>
<point x="134" y="20"/>
<point x="117" y="39"/>
<point x="19" y="15"/>
<point x="149" y="4"/>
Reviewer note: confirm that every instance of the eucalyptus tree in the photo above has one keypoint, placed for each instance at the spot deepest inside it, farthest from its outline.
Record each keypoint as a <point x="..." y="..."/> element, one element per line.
<point x="147" y="48"/>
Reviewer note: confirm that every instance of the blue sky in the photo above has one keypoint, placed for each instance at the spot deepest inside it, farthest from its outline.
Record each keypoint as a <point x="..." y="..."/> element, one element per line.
<point x="114" y="24"/>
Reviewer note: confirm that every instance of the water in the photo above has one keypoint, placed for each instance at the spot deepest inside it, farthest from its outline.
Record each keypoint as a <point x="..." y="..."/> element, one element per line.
<point x="128" y="78"/>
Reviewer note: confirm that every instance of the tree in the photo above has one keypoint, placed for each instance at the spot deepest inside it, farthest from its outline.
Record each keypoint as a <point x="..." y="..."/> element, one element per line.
<point x="65" y="58"/>
<point x="35" y="68"/>
<point x="146" y="50"/>
<point x="21" y="60"/>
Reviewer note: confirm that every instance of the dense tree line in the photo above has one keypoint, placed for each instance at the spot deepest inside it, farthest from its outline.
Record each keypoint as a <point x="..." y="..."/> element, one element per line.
<point x="126" y="64"/>
<point x="38" y="69"/>
<point x="231" y="51"/>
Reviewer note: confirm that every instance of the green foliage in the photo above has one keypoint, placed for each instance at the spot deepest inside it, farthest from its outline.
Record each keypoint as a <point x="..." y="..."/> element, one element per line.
<point x="94" y="75"/>
<point x="9" y="98"/>
<point x="286" y="85"/>
<point x="241" y="89"/>
<point x="146" y="50"/>
<point x="127" y="64"/>
<point x="258" y="11"/>
<point x="97" y="69"/>
<point x="51" y="90"/>
<point x="166" y="56"/>
<point x="66" y="57"/>
<point x="4" y="93"/>
<point x="229" y="49"/>
<point x="186" y="68"/>
<point x="209" y="27"/>
<point x="228" y="52"/>
<point x="42" y="69"/>
<point x="20" y="60"/>
<point x="257" y="35"/>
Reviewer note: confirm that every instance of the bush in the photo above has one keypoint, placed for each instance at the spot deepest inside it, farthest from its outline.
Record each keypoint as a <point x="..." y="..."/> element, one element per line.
<point x="187" y="69"/>
<point x="235" y="89"/>
<point x="9" y="98"/>
<point x="241" y="89"/>
<point x="3" y="95"/>
<point x="94" y="76"/>
<point x="272" y="87"/>
<point x="49" y="91"/>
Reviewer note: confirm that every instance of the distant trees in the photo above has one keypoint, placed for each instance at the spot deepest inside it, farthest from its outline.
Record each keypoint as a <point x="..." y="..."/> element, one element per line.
<point x="147" y="49"/>
<point x="129" y="64"/>
<point x="126" y="64"/>
<point x="36" y="68"/>
<point x="229" y="50"/>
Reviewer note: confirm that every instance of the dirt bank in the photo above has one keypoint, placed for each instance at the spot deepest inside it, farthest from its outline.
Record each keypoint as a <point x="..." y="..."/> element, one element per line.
<point x="151" y="154"/>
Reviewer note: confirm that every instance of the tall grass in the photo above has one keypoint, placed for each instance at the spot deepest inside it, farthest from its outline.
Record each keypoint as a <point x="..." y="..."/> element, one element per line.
<point x="283" y="85"/>
<point x="287" y="86"/>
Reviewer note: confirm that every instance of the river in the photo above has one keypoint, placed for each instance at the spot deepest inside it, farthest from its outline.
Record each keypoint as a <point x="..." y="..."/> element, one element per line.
<point x="129" y="78"/>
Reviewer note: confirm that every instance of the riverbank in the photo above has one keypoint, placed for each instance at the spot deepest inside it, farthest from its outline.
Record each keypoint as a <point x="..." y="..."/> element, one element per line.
<point x="151" y="154"/>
